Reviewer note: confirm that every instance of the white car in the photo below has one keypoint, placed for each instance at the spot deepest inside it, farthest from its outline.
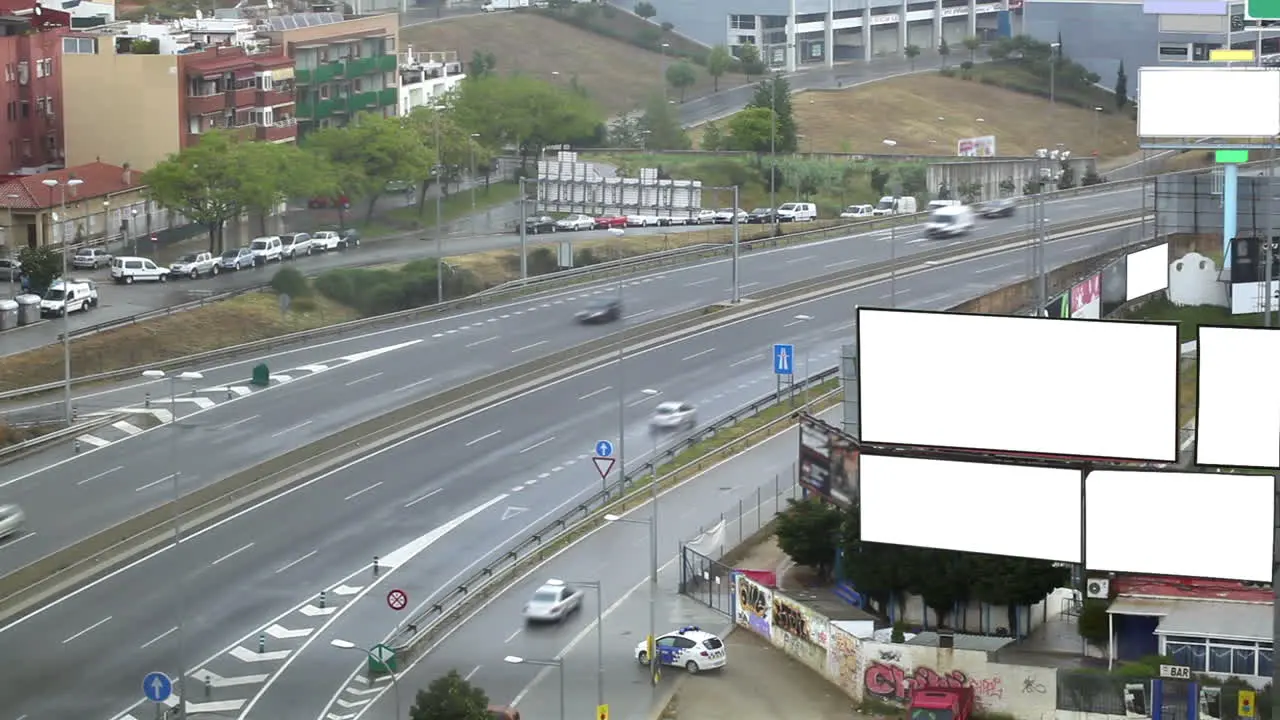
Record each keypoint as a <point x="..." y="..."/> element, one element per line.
<point x="576" y="222"/>
<point x="858" y="211"/>
<point x="726" y="215"/>
<point x="295" y="244"/>
<point x="703" y="217"/>
<point x="68" y="296"/>
<point x="325" y="240"/>
<point x="673" y="220"/>
<point x="642" y="220"/>
<point x="690" y="647"/>
<point x="674" y="416"/>
<point x="129" y="270"/>
<point x="552" y="602"/>
<point x="265" y="249"/>
<point x="12" y="520"/>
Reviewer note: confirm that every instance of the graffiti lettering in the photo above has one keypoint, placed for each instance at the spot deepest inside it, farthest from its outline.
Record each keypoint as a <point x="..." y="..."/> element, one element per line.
<point x="791" y="619"/>
<point x="753" y="598"/>
<point x="890" y="656"/>
<point x="893" y="683"/>
<point x="1031" y="687"/>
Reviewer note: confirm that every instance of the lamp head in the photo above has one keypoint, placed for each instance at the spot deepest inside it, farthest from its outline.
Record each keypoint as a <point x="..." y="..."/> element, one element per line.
<point x="342" y="644"/>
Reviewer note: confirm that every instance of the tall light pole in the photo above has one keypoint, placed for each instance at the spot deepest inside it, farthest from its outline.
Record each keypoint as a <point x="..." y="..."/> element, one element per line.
<point x="1096" y="112"/>
<point x="557" y="663"/>
<point x="472" y="145"/>
<point x="395" y="682"/>
<point x="773" y="150"/>
<point x="599" y="635"/>
<point x="177" y="514"/>
<point x="652" y="522"/>
<point x="52" y="183"/>
<point x="435" y="117"/>
<point x="622" y="378"/>
<point x="133" y="229"/>
<point x="663" y="79"/>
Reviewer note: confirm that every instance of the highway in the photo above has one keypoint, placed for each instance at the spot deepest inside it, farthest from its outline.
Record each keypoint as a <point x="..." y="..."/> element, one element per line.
<point x="522" y="461"/>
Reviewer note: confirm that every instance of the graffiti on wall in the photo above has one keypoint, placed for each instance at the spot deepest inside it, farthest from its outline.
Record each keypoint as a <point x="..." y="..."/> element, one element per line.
<point x="891" y="682"/>
<point x="842" y="660"/>
<point x="755" y="602"/>
<point x="799" y="621"/>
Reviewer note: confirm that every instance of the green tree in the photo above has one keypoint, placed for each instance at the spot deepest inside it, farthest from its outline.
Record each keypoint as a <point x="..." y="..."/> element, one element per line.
<point x="1122" y="87"/>
<point x="749" y="56"/>
<point x="879" y="180"/>
<point x="775" y="93"/>
<point x="972" y="44"/>
<point x="370" y="153"/>
<point x="42" y="264"/>
<point x="712" y="137"/>
<point x="525" y="112"/>
<point x="941" y="578"/>
<point x="718" y="63"/>
<point x="944" y="50"/>
<point x="809" y="533"/>
<point x="660" y="126"/>
<point x="681" y="76"/>
<point x="278" y="172"/>
<point x="481" y="65"/>
<point x="209" y="182"/>
<point x="912" y="52"/>
<point x="646" y="10"/>
<point x="450" y="697"/>
<point x="751" y="130"/>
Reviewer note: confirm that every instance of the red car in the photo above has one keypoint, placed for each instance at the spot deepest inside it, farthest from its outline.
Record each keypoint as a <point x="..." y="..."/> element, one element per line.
<point x="605" y="222"/>
<point x="320" y="203"/>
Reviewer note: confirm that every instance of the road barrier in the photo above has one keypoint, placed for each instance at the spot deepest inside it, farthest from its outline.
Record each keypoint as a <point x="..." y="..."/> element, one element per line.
<point x="13" y="452"/>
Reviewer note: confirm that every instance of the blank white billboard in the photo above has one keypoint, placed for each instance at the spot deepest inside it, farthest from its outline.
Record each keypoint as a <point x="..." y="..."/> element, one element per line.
<point x="1147" y="271"/>
<point x="1031" y="512"/>
<point x="1087" y="388"/>
<point x="1237" y="402"/>
<point x="1201" y="525"/>
<point x="1208" y="102"/>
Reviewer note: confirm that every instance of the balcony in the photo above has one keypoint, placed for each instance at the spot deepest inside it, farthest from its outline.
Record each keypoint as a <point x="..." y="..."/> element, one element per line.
<point x="360" y="102"/>
<point x="246" y="97"/>
<point x="283" y="130"/>
<point x="303" y="77"/>
<point x="356" y="67"/>
<point x="322" y="73"/>
<point x="272" y="98"/>
<point x="388" y="96"/>
<point x="205" y="104"/>
<point x="386" y="63"/>
<point x="309" y="111"/>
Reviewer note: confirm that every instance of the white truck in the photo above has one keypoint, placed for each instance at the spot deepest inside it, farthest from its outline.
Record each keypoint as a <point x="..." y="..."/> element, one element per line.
<point x="890" y="205"/>
<point x="68" y="296"/>
<point x="949" y="221"/>
<point x="193" y="265"/>
<point x="493" y="5"/>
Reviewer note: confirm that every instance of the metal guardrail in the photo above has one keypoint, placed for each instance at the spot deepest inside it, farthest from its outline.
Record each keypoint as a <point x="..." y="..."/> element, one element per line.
<point x="411" y="633"/>
<point x="17" y="450"/>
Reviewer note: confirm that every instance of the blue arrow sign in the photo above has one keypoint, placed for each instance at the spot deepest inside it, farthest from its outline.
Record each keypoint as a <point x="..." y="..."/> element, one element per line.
<point x="157" y="687"/>
<point x="784" y="359"/>
<point x="604" y="448"/>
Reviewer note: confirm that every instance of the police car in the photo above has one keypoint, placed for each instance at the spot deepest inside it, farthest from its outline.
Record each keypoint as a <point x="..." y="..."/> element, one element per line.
<point x="689" y="647"/>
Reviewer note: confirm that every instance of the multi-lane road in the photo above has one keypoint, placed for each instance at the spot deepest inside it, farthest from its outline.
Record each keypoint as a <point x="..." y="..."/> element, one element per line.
<point x="513" y="464"/>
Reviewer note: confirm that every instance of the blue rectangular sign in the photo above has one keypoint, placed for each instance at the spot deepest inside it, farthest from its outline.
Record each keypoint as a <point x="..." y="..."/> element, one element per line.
<point x="1184" y="7"/>
<point x="784" y="359"/>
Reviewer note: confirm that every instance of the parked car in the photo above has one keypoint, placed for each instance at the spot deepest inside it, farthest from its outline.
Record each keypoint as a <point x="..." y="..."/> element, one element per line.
<point x="552" y="602"/>
<point x="797" y="212"/>
<point x="325" y="240"/>
<point x="605" y="222"/>
<point x="858" y="212"/>
<point x="68" y="296"/>
<point x="267" y="248"/>
<point x="537" y="224"/>
<point x="129" y="270"/>
<point x="673" y="219"/>
<point x="237" y="259"/>
<point x="704" y="217"/>
<point x="10" y="270"/>
<point x="91" y="258"/>
<point x="350" y="239"/>
<point x="193" y="265"/>
<point x="600" y="310"/>
<point x="1001" y="207"/>
<point x="726" y="215"/>
<point x="689" y="647"/>
<point x="321" y="203"/>
<point x="674" y="416"/>
<point x="12" y="520"/>
<point x="760" y="216"/>
<point x="642" y="220"/>
<point x="576" y="222"/>
<point x="295" y="244"/>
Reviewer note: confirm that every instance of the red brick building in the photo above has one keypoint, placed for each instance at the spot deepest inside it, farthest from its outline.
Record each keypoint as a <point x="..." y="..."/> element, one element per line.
<point x="31" y="88"/>
<point x="226" y="88"/>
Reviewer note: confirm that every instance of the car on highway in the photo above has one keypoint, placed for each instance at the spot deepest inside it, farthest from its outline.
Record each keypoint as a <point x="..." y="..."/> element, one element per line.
<point x="690" y="647"/>
<point x="129" y="270"/>
<point x="600" y="310"/>
<point x="267" y="248"/>
<point x="726" y="215"/>
<point x="760" y="216"/>
<point x="237" y="259"/>
<point x="295" y="244"/>
<point x="537" y="224"/>
<point x="193" y="265"/>
<point x="608" y="222"/>
<point x="68" y="296"/>
<point x="642" y="220"/>
<point x="90" y="258"/>
<point x="857" y="212"/>
<point x="703" y="217"/>
<point x="12" y="520"/>
<point x="998" y="208"/>
<point x="576" y="222"/>
<point x="552" y="602"/>
<point x="674" y="416"/>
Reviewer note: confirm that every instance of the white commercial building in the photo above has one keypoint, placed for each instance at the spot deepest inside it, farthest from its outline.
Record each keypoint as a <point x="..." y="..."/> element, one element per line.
<point x="426" y="78"/>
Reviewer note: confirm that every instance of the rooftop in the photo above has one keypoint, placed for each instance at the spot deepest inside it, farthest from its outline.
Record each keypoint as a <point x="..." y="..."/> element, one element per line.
<point x="99" y="180"/>
<point x="1158" y="586"/>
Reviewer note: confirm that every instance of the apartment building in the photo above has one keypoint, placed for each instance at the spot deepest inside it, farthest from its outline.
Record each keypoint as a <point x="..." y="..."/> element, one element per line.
<point x="427" y="78"/>
<point x="139" y="92"/>
<point x="345" y="66"/>
<point x="31" y="91"/>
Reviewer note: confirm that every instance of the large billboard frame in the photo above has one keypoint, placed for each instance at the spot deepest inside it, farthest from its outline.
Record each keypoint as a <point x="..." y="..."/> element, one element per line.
<point x="838" y="483"/>
<point x="1168" y="444"/>
<point x="1227" y="373"/>
<point x="1217" y="102"/>
<point x="1142" y="272"/>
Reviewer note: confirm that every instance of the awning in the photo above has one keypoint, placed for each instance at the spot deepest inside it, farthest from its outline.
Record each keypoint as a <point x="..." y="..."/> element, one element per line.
<point x="1250" y="622"/>
<point x="285" y="73"/>
<point x="1140" y="606"/>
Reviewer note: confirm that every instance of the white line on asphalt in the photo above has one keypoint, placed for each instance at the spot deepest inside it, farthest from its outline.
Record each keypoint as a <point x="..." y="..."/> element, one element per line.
<point x="633" y="316"/>
<point x="644" y="399"/>
<point x="413" y="502"/>
<point x="232" y="554"/>
<point x="159" y="637"/>
<point x="482" y="438"/>
<point x="744" y="361"/>
<point x="529" y="347"/>
<point x="241" y="421"/>
<point x="793" y="322"/>
<point x="842" y="263"/>
<point x="792" y="261"/>
<point x="481" y="342"/>
<point x="698" y="354"/>
<point x="100" y="475"/>
<point x="538" y="444"/>
<point x="288" y="430"/>
<point x="995" y="268"/>
<point x="511" y="637"/>
<point x="93" y="440"/>
<point x="593" y="393"/>
<point x="703" y="281"/>
<point x="470" y="675"/>
<point x="92" y="627"/>
<point x="744" y="286"/>
<point x="295" y="562"/>
<point x="412" y="385"/>
<point x="358" y="493"/>
<point x="11" y="543"/>
<point x="154" y="483"/>
<point x="363" y="379"/>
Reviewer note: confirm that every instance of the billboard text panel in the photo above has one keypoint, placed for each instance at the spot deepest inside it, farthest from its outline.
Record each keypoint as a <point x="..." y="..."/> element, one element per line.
<point x="1208" y="102"/>
<point x="1147" y="271"/>
<point x="1237" y="402"/>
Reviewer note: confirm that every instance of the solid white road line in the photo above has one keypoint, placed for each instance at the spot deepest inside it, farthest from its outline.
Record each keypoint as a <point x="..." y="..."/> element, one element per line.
<point x="365" y="378"/>
<point x="93" y="440"/>
<point x="744" y="361"/>
<point x="995" y="268"/>
<point x="529" y="347"/>
<point x="482" y="438"/>
<point x="232" y="554"/>
<point x="633" y="316"/>
<point x="89" y="629"/>
<point x="481" y="342"/>
<point x="537" y="445"/>
<point x="159" y="637"/>
<point x="154" y="483"/>
<point x="241" y="421"/>
<point x="412" y="385"/>
<point x="362" y="491"/>
<point x="698" y="354"/>
<point x="295" y="562"/>
<point x="806" y="258"/>
<point x="703" y="281"/>
<point x="102" y="474"/>
<point x="288" y="430"/>
<point x="415" y="501"/>
<point x="468" y="677"/>
<point x="512" y="636"/>
<point x="593" y="393"/>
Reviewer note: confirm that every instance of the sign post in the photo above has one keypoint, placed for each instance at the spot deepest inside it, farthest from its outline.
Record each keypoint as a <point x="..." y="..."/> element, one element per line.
<point x="784" y="365"/>
<point x="397" y="599"/>
<point x="603" y="460"/>
<point x="157" y="687"/>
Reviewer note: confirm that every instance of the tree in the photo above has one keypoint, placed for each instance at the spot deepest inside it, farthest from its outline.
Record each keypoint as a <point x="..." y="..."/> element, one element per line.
<point x="809" y="533"/>
<point x="718" y="63"/>
<point x="972" y="44"/>
<point x="525" y="112"/>
<point x="450" y="697"/>
<point x="370" y="153"/>
<point x="712" y="137"/>
<point x="944" y="50"/>
<point x="42" y="264"/>
<point x="775" y="93"/>
<point x="206" y="182"/>
<point x="879" y="180"/>
<point x="1061" y="55"/>
<point x="751" y="130"/>
<point x="912" y="52"/>
<point x="749" y="56"/>
<point x="276" y="173"/>
<point x="1122" y="87"/>
<point x="646" y="10"/>
<point x="682" y="76"/>
<point x="481" y="65"/>
<point x="660" y="126"/>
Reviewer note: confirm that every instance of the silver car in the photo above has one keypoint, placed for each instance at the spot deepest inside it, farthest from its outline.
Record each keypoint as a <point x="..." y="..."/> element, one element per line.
<point x="12" y="520"/>
<point x="674" y="416"/>
<point x="552" y="602"/>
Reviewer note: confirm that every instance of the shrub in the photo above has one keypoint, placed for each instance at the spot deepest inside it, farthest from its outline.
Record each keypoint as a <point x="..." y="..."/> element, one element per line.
<point x="304" y="305"/>
<point x="378" y="292"/>
<point x="290" y="281"/>
<point x="543" y="260"/>
<point x="947" y="72"/>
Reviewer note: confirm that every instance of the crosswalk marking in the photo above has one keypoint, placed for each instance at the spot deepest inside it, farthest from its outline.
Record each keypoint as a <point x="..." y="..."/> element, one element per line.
<point x="244" y="655"/>
<point x="93" y="440"/>
<point x="280" y="632"/>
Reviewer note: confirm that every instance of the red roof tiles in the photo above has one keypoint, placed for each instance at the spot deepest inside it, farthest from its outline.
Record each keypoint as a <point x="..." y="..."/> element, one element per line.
<point x="100" y="180"/>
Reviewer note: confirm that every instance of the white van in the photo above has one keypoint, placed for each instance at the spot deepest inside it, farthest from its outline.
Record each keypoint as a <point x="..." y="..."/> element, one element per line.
<point x="939" y="204"/>
<point x="890" y="205"/>
<point x="68" y="296"/>
<point x="949" y="221"/>
<point x="797" y="212"/>
<point x="265" y="249"/>
<point x="129" y="269"/>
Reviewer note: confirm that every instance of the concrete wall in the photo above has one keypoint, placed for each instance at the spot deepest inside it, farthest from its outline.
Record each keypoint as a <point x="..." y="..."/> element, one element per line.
<point x="989" y="172"/>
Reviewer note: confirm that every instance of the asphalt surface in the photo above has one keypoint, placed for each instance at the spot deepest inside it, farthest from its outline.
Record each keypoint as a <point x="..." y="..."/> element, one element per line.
<point x="525" y="459"/>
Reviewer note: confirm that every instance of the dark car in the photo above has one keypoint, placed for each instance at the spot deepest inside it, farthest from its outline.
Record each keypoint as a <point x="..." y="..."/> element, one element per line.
<point x="350" y="239"/>
<point x="601" y="311"/>
<point x="760" y="216"/>
<point x="1002" y="207"/>
<point x="536" y="224"/>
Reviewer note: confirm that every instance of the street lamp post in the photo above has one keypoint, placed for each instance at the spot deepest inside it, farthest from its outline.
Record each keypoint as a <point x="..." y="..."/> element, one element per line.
<point x="652" y="522"/>
<point x="1096" y="112"/>
<point x="133" y="229"/>
<point x="436" y="110"/>
<point x="395" y="683"/>
<point x="773" y="150"/>
<point x="622" y="385"/>
<point x="176" y="518"/>
<point x="557" y="663"/>
<point x="52" y="183"/>
<point x="599" y="635"/>
<point x="472" y="145"/>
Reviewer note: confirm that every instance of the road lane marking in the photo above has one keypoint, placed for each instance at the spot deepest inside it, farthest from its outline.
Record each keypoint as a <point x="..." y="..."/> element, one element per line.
<point x="411" y="503"/>
<point x="793" y="261"/>
<point x="154" y="483"/>
<point x="793" y="322"/>
<point x="295" y="562"/>
<point x="481" y="342"/>
<point x="633" y="316"/>
<point x="482" y="438"/>
<point x="358" y="493"/>
<point x="995" y="268"/>
<point x="412" y="385"/>
<point x="241" y="421"/>
<point x="744" y="361"/>
<point x="232" y="554"/>
<point x="644" y="399"/>
<point x="100" y="475"/>
<point x="529" y="347"/>
<point x="93" y="440"/>
<point x="593" y="393"/>
<point x="288" y="430"/>
<point x="470" y="675"/>
<point x="512" y="636"/>
<point x="365" y="378"/>
<point x="89" y="629"/>
<point x="703" y="281"/>
<point x="11" y="543"/>
<point x="698" y="354"/>
<point x="538" y="444"/>
<point x="842" y="263"/>
<point x="159" y="637"/>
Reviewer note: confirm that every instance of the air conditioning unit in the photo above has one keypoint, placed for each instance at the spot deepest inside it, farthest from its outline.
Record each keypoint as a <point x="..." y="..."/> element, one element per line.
<point x="1099" y="588"/>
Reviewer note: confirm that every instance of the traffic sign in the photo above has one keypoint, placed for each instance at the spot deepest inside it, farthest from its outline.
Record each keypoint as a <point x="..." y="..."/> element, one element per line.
<point x="1175" y="672"/>
<point x="1246" y="701"/>
<point x="157" y="687"/>
<point x="397" y="599"/>
<point x="603" y="465"/>
<point x="604" y="448"/>
<point x="602" y="712"/>
<point x="784" y="357"/>
<point x="1262" y="9"/>
<point x="382" y="659"/>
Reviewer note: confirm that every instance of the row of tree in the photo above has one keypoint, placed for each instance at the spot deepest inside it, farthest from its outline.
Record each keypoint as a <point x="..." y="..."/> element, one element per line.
<point x="814" y="534"/>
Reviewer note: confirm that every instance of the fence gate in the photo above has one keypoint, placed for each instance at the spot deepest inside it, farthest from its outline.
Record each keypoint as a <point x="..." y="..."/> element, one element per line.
<point x="705" y="580"/>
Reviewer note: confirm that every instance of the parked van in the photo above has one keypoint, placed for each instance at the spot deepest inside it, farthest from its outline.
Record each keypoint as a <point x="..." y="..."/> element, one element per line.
<point x="266" y="249"/>
<point x="68" y="296"/>
<point x="890" y="205"/>
<point x="949" y="221"/>
<point x="127" y="270"/>
<point x="797" y="212"/>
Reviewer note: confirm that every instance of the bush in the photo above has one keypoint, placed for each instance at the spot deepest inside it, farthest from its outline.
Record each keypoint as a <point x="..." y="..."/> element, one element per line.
<point x="543" y="260"/>
<point x="289" y="281"/>
<point x="304" y="305"/>
<point x="378" y="292"/>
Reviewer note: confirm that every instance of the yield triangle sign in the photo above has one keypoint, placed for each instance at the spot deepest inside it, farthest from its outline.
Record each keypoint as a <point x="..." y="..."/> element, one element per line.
<point x="603" y="465"/>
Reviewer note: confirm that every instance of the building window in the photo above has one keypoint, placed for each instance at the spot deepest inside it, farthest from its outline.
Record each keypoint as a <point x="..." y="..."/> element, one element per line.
<point x="11" y="110"/>
<point x="51" y="143"/>
<point x="79" y="46"/>
<point x="25" y="108"/>
<point x="324" y="92"/>
<point x="8" y="72"/>
<point x="1220" y="656"/>
<point x="26" y="148"/>
<point x="742" y="22"/>
<point x="44" y="68"/>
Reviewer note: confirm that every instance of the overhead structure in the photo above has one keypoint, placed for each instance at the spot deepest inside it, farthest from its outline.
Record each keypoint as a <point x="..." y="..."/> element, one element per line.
<point x="1208" y="102"/>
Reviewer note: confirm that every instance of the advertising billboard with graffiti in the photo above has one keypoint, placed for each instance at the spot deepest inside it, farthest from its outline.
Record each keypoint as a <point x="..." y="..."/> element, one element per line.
<point x="1086" y="298"/>
<point x="828" y="461"/>
<point x="755" y="606"/>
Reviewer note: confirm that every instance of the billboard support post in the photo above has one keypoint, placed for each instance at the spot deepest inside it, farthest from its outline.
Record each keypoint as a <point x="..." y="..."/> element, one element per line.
<point x="1271" y="176"/>
<point x="1230" y="194"/>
